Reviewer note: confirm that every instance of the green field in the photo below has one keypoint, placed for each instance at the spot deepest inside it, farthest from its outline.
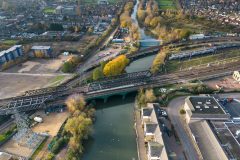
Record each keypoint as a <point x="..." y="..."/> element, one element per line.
<point x="227" y="56"/>
<point x="49" y="11"/>
<point x="167" y="4"/>
<point x="9" y="42"/>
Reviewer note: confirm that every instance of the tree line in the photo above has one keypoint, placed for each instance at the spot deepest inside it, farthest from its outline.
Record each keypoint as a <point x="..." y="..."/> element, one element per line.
<point x="126" y="21"/>
<point x="156" y="21"/>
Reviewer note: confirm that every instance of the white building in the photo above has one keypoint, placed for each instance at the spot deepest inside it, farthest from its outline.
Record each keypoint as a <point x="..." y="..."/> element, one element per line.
<point x="236" y="76"/>
<point x="152" y="134"/>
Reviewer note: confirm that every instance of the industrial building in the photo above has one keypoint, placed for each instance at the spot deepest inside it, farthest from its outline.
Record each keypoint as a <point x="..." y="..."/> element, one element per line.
<point x="153" y="136"/>
<point x="41" y="52"/>
<point x="203" y="108"/>
<point x="236" y="76"/>
<point x="11" y="54"/>
<point x="200" y="112"/>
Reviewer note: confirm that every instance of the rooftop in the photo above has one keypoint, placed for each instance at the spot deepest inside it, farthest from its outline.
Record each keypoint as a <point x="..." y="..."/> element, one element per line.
<point x="147" y="112"/>
<point x="151" y="127"/>
<point x="41" y="47"/>
<point x="156" y="149"/>
<point x="10" y="49"/>
<point x="204" y="105"/>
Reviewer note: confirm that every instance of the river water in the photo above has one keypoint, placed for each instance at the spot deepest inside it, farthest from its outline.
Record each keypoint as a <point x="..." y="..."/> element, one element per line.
<point x="114" y="136"/>
<point x="146" y="62"/>
<point x="144" y="36"/>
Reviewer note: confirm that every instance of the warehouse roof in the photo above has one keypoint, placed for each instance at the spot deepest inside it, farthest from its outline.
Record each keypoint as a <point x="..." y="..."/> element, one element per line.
<point x="204" y="105"/>
<point x="10" y="49"/>
<point x="41" y="47"/>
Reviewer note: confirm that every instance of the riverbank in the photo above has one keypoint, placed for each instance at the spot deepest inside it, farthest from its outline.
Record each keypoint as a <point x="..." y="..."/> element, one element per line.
<point x="142" y="152"/>
<point x="114" y="135"/>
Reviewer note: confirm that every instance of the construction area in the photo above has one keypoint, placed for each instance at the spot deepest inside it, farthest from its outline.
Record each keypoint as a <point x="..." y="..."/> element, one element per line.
<point x="45" y="126"/>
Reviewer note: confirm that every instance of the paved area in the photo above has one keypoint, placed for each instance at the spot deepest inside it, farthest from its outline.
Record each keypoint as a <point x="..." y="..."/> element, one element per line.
<point x="14" y="84"/>
<point x="227" y="83"/>
<point x="39" y="65"/>
<point x="174" y="150"/>
<point x="140" y="137"/>
<point x="173" y="113"/>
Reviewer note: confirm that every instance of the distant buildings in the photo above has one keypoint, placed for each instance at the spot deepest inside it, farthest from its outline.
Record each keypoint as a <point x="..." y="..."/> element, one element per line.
<point x="41" y="51"/>
<point x="153" y="135"/>
<point x="236" y="76"/>
<point x="11" y="54"/>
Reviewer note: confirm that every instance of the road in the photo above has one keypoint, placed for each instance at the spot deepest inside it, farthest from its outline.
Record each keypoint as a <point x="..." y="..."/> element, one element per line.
<point x="173" y="113"/>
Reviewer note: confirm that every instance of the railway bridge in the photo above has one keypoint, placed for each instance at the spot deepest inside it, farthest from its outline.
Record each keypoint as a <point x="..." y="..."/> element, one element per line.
<point x="118" y="85"/>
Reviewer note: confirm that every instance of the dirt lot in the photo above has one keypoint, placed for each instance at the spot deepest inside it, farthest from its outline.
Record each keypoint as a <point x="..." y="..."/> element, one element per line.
<point x="228" y="83"/>
<point x="51" y="123"/>
<point x="17" y="84"/>
<point x="40" y="65"/>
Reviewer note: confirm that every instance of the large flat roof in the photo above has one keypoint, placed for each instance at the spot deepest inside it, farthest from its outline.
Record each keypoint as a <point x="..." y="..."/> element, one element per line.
<point x="10" y="49"/>
<point x="204" y="105"/>
<point x="41" y="47"/>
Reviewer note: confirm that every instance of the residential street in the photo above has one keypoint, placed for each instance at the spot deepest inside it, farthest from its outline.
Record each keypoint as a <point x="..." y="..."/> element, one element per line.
<point x="173" y="113"/>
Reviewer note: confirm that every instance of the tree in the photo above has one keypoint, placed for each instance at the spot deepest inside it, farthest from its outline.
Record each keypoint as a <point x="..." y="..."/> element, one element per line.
<point x="56" y="27"/>
<point x="141" y="15"/>
<point x="90" y="30"/>
<point x="79" y="127"/>
<point x="116" y="66"/>
<point x="75" y="102"/>
<point x="155" y="21"/>
<point x="150" y="96"/>
<point x="97" y="74"/>
<point x="67" y="67"/>
<point x="182" y="111"/>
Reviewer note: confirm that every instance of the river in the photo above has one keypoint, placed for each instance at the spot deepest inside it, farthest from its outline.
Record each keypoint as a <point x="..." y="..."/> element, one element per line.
<point x="114" y="136"/>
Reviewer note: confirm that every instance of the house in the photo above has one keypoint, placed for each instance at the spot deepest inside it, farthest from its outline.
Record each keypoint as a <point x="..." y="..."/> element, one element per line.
<point x="236" y="76"/>
<point x="146" y="114"/>
<point x="149" y="131"/>
<point x="155" y="151"/>
<point x="152" y="133"/>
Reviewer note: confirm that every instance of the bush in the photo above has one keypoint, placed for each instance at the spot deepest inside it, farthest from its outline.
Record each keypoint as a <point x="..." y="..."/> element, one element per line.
<point x="182" y="111"/>
<point x="49" y="156"/>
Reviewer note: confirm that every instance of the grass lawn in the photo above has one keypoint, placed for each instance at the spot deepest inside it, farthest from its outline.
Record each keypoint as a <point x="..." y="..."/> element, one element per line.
<point x="167" y="4"/>
<point x="175" y="65"/>
<point x="9" y="42"/>
<point x="49" y="11"/>
<point x="57" y="80"/>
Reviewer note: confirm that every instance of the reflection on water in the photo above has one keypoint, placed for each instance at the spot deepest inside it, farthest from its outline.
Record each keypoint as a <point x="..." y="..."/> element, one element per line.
<point x="140" y="64"/>
<point x="114" y="136"/>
